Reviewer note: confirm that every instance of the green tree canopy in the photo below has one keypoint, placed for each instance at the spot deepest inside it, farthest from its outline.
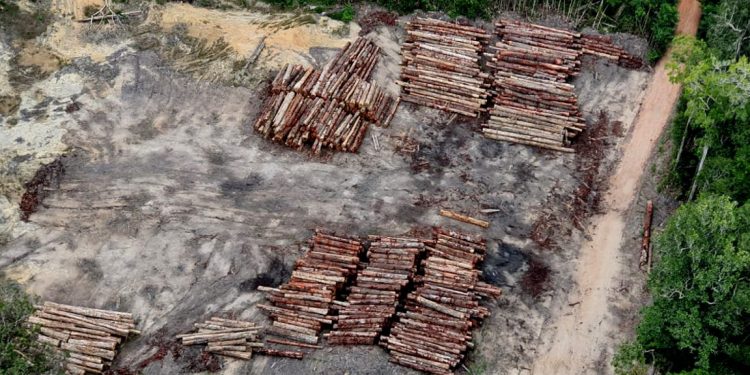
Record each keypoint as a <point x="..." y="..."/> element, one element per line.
<point x="727" y="28"/>
<point x="716" y="99"/>
<point x="699" y="321"/>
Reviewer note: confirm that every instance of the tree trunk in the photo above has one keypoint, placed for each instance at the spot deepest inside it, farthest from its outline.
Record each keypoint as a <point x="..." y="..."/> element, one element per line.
<point x="698" y="172"/>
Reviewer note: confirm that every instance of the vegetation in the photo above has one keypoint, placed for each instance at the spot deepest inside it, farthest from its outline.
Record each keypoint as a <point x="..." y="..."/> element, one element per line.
<point x="20" y="353"/>
<point x="699" y="321"/>
<point x="700" y="316"/>
<point x="714" y="117"/>
<point x="726" y="27"/>
<point x="655" y="19"/>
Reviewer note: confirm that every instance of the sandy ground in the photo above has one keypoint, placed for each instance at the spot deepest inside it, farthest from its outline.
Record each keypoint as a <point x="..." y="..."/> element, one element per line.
<point x="581" y="337"/>
<point x="172" y="208"/>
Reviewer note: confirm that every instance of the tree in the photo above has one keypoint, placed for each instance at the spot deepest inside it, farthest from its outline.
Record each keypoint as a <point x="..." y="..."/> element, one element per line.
<point x="728" y="29"/>
<point x="716" y="101"/>
<point x="700" y="317"/>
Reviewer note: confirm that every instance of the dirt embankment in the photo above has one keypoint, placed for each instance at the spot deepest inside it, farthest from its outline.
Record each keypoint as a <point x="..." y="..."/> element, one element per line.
<point x="582" y="335"/>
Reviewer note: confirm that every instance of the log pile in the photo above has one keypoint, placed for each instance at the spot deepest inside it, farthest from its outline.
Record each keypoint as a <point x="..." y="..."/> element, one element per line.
<point x="331" y="108"/>
<point x="532" y="104"/>
<point x="602" y="46"/>
<point x="225" y="337"/>
<point x="442" y="66"/>
<point x="300" y="308"/>
<point x="372" y="301"/>
<point x="88" y="337"/>
<point x="536" y="51"/>
<point x="358" y="58"/>
<point x="534" y="112"/>
<point x="351" y="91"/>
<point x="434" y="332"/>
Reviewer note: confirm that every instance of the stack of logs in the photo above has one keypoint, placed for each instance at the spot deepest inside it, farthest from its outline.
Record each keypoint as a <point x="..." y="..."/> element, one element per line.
<point x="225" y="337"/>
<point x="603" y="46"/>
<point x="533" y="105"/>
<point x="442" y="66"/>
<point x="372" y="301"/>
<point x="301" y="307"/>
<point x="536" y="51"/>
<point x="331" y="108"/>
<point x="88" y="337"/>
<point x="434" y="332"/>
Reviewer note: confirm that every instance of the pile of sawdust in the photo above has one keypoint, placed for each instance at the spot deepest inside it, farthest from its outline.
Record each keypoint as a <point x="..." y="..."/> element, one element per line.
<point x="288" y="36"/>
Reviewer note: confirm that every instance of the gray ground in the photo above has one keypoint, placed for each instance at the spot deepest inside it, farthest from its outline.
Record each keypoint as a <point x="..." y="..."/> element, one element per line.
<point x="172" y="208"/>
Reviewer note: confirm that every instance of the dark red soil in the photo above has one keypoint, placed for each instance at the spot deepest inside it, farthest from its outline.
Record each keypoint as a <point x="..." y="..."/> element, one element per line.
<point x="536" y="278"/>
<point x="369" y="21"/>
<point x="48" y="176"/>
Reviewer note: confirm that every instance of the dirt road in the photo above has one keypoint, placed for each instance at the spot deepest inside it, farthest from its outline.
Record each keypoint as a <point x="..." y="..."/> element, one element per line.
<point x="580" y="336"/>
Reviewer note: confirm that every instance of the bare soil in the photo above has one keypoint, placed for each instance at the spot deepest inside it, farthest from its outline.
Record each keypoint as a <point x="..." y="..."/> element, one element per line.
<point x="172" y="208"/>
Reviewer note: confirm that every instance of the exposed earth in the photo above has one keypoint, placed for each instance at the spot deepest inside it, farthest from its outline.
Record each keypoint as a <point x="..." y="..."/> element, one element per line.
<point x="159" y="199"/>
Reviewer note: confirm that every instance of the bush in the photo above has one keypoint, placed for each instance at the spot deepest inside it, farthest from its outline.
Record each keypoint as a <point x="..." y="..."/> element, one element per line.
<point x="467" y="8"/>
<point x="630" y="360"/>
<point x="20" y="353"/>
<point x="345" y="15"/>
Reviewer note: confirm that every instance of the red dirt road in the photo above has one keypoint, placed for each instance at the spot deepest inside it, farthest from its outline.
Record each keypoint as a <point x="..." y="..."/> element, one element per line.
<point x="580" y="336"/>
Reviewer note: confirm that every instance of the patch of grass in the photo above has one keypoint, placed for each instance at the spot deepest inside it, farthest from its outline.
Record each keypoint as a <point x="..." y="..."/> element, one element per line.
<point x="20" y="353"/>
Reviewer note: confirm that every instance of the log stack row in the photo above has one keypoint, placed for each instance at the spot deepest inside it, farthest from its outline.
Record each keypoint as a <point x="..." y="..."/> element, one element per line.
<point x="602" y="46"/>
<point x="532" y="103"/>
<point x="331" y="108"/>
<point x="300" y="308"/>
<point x="536" y="51"/>
<point x="88" y="337"/>
<point x="442" y="66"/>
<point x="534" y="112"/>
<point x="225" y="337"/>
<point x="434" y="332"/>
<point x="372" y="301"/>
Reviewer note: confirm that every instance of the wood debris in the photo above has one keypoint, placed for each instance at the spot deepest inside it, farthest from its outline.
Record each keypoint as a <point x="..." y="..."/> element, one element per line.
<point x="300" y="308"/>
<point x="442" y="66"/>
<point x="464" y="218"/>
<point x="330" y="108"/>
<point x="645" y="259"/>
<point x="225" y="337"/>
<point x="602" y="46"/>
<point x="88" y="337"/>
<point x="372" y="301"/>
<point x="434" y="332"/>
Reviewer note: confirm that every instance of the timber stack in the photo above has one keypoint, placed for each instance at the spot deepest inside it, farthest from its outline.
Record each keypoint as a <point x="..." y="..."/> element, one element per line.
<point x="434" y="332"/>
<point x="533" y="105"/>
<point x="602" y="46"/>
<point x="88" y="337"/>
<point x="331" y="108"/>
<point x="300" y="308"/>
<point x="372" y="301"/>
<point x="225" y="337"/>
<point x="442" y="66"/>
<point x="536" y="51"/>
